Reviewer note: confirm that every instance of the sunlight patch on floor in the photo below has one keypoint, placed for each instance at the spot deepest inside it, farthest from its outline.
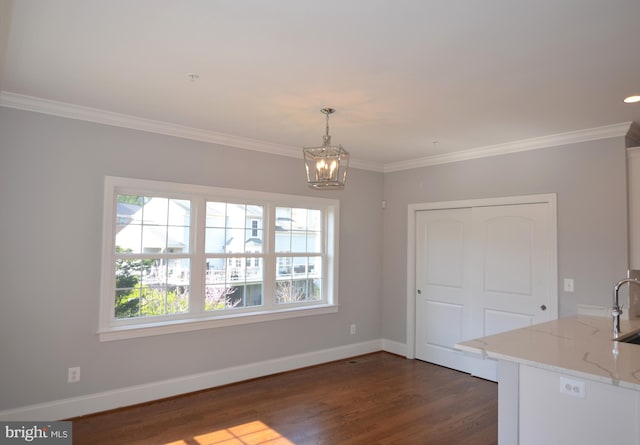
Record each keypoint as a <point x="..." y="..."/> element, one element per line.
<point x="250" y="433"/>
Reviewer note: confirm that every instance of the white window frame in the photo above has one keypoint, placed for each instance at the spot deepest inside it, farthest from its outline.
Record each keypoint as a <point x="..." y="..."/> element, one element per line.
<point x="111" y="328"/>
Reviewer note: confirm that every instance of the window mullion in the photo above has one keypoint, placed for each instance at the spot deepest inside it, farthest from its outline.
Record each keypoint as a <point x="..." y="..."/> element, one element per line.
<point x="196" y="296"/>
<point x="269" y="281"/>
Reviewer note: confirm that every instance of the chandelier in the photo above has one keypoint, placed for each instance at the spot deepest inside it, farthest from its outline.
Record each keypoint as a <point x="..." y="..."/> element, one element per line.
<point x="326" y="165"/>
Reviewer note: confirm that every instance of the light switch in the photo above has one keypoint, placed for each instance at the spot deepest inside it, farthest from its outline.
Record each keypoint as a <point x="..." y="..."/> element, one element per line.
<point x="568" y="284"/>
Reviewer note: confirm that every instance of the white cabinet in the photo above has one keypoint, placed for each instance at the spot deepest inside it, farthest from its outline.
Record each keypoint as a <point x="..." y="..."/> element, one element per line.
<point x="633" y="195"/>
<point x="550" y="414"/>
<point x="633" y="200"/>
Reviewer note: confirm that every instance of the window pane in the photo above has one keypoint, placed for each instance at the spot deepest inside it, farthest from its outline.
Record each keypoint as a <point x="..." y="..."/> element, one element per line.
<point x="283" y="218"/>
<point x="152" y="224"/>
<point x="129" y="208"/>
<point x="156" y="211"/>
<point x="216" y="212"/>
<point x="236" y="214"/>
<point x="283" y="229"/>
<point x="216" y="271"/>
<point x="254" y="213"/>
<point x="128" y="277"/>
<point x="253" y="295"/>
<point x="299" y="218"/>
<point x="286" y="292"/>
<point x="129" y="238"/>
<point x="314" y="221"/>
<point x="283" y="267"/>
<point x="315" y="289"/>
<point x="315" y="267"/>
<point x="254" y="243"/>
<point x="152" y="287"/>
<point x="179" y="212"/>
<point x="128" y="222"/>
<point x="296" y="291"/>
<point x="215" y="240"/>
<point x="233" y="282"/>
<point x="298" y="279"/>
<point x="283" y="241"/>
<point x="298" y="241"/>
<point x="254" y="270"/>
<point x="242" y="228"/>
<point x="178" y="239"/>
<point x="300" y="266"/>
<point x="154" y="239"/>
<point x="298" y="230"/>
<point x="314" y="242"/>
<point x="235" y="240"/>
<point x="219" y="297"/>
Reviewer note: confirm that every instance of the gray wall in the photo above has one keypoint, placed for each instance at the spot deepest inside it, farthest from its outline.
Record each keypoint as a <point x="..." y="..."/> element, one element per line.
<point x="590" y="182"/>
<point x="51" y="181"/>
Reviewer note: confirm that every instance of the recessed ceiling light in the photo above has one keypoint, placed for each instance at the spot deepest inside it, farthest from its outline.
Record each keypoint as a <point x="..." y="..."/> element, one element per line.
<point x="632" y="99"/>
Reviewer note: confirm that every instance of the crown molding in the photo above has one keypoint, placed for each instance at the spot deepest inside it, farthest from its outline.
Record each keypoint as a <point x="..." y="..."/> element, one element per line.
<point x="571" y="137"/>
<point x="71" y="111"/>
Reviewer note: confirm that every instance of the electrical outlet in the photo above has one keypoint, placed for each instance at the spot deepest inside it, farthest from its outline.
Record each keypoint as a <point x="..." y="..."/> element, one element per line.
<point x="353" y="329"/>
<point x="572" y="387"/>
<point x="73" y="375"/>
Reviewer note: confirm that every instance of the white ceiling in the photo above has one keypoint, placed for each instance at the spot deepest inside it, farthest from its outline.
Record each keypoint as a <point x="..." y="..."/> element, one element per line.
<point x="401" y="73"/>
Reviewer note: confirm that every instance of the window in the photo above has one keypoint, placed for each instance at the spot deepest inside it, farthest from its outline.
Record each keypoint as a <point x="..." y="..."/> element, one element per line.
<point x="180" y="257"/>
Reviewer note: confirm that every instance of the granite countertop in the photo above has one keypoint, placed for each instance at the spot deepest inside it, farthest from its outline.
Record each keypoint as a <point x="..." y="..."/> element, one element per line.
<point x="580" y="346"/>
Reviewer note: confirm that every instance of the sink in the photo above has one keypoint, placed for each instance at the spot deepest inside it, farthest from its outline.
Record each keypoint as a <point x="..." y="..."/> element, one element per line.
<point x="633" y="338"/>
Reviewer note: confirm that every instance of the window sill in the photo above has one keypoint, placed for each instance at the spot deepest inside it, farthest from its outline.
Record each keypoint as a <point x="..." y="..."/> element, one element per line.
<point x="186" y="325"/>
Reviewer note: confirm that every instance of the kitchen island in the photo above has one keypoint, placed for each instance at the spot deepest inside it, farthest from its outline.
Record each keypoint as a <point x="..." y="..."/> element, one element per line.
<point x="565" y="382"/>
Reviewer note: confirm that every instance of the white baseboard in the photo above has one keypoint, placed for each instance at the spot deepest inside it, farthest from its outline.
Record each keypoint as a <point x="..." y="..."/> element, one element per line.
<point x="594" y="311"/>
<point x="394" y="347"/>
<point x="600" y="311"/>
<point x="102" y="401"/>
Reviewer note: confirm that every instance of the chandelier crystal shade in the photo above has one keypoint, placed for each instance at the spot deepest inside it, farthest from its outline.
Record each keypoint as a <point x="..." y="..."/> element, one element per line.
<point x="326" y="165"/>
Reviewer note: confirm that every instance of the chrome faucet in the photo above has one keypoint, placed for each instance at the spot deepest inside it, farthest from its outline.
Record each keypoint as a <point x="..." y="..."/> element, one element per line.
<point x="617" y="308"/>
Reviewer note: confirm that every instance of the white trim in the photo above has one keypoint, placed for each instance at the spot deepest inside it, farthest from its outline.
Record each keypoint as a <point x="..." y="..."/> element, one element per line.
<point x="634" y="133"/>
<point x="79" y="112"/>
<point x="633" y="152"/>
<point x="548" y="198"/>
<point x="71" y="111"/>
<point x="591" y="310"/>
<point x="118" y="329"/>
<point x="394" y="347"/>
<point x="554" y="140"/>
<point x="508" y="402"/>
<point x="102" y="401"/>
<point x="187" y="325"/>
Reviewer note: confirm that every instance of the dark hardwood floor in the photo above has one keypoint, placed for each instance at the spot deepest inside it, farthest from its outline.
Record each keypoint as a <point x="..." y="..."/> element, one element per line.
<point x="377" y="398"/>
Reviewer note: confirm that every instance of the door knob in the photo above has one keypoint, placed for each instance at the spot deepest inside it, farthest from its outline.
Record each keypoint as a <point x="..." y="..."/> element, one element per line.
<point x="419" y="292"/>
<point x="543" y="307"/>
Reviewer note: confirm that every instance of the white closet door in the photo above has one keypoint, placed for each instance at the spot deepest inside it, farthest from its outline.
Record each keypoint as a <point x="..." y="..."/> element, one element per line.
<point x="443" y="261"/>
<point x="512" y="275"/>
<point x="481" y="271"/>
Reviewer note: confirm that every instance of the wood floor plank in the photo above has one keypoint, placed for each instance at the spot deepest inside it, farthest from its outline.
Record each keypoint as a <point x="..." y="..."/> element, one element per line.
<point x="377" y="398"/>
